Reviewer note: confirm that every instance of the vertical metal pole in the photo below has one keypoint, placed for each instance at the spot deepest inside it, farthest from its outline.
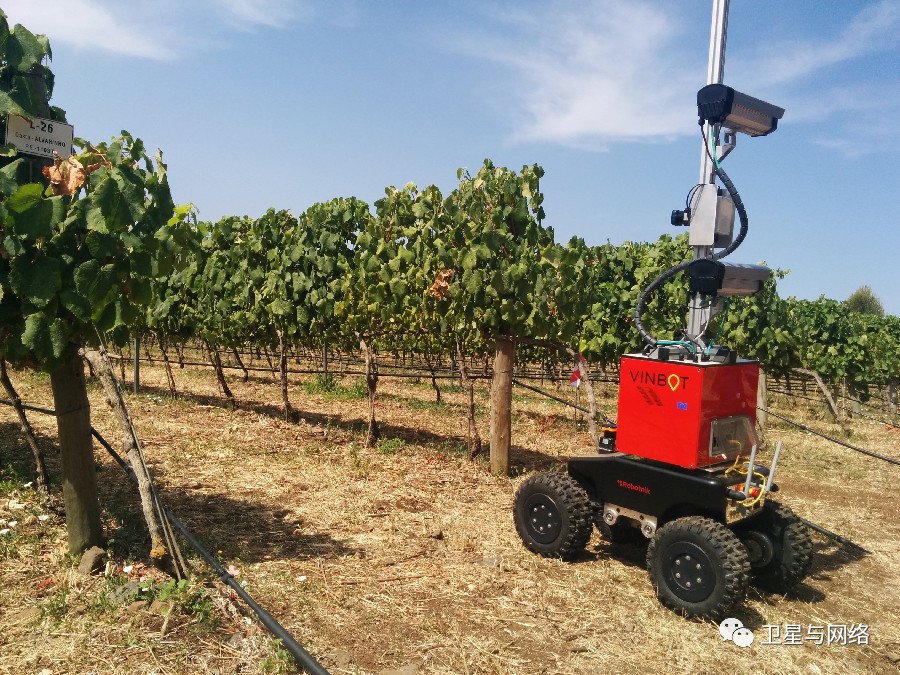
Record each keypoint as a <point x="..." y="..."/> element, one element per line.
<point x="325" y="364"/>
<point x="715" y="73"/>
<point x="137" y="364"/>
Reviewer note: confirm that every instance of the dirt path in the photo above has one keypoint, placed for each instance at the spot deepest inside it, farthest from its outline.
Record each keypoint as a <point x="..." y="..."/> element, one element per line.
<point x="404" y="556"/>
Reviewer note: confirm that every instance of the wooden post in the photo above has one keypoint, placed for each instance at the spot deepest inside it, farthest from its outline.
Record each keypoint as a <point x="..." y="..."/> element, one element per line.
<point x="501" y="405"/>
<point x="73" y="423"/>
<point x="473" y="438"/>
<point x="591" y="399"/>
<point x="373" y="433"/>
<point x="137" y="364"/>
<point x="130" y="448"/>
<point x="827" y="394"/>
<point x="762" y="400"/>
<point x="283" y="374"/>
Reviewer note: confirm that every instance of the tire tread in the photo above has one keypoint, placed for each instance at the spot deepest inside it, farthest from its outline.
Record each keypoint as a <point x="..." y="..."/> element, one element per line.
<point x="573" y="499"/>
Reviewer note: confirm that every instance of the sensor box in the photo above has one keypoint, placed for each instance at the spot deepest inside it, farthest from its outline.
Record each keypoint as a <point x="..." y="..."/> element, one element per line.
<point x="690" y="414"/>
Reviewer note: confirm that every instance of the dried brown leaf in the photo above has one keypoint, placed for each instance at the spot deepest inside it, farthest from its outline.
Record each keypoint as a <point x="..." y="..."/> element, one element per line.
<point x="66" y="175"/>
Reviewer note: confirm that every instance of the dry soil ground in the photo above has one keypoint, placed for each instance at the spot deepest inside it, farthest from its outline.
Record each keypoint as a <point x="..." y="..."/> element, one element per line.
<point x="403" y="558"/>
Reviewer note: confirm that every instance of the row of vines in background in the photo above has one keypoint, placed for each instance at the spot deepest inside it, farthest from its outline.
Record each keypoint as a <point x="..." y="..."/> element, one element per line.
<point x="431" y="274"/>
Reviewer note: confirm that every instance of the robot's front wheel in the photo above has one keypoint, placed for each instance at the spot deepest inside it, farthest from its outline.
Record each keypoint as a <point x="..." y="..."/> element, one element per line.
<point x="553" y="515"/>
<point x="698" y="567"/>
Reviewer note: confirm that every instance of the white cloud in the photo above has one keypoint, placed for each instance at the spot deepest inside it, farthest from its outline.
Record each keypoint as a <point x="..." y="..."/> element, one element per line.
<point x="266" y="13"/>
<point x="588" y="74"/>
<point x="151" y="29"/>
<point x="595" y="72"/>
<point x="91" y="24"/>
<point x="874" y="29"/>
<point x="846" y="84"/>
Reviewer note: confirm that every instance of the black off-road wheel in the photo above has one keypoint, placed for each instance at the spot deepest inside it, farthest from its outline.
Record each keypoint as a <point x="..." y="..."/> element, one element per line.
<point x="698" y="567"/>
<point x="553" y="515"/>
<point x="778" y="546"/>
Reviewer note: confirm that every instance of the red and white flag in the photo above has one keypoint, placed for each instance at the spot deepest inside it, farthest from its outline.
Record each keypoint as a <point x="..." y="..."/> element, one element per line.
<point x="575" y="380"/>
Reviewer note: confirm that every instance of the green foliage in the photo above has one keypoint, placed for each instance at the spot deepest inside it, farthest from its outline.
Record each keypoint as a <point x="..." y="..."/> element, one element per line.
<point x="333" y="391"/>
<point x="759" y="327"/>
<point x="56" y="606"/>
<point x="860" y="349"/>
<point x="279" y="662"/>
<point x="425" y="272"/>
<point x="390" y="446"/>
<point x="74" y="262"/>
<point x="26" y="84"/>
<point x="499" y="249"/>
<point x="319" y="384"/>
<point x="864" y="301"/>
<point x="610" y="280"/>
<point x="190" y="597"/>
<point x="75" y="265"/>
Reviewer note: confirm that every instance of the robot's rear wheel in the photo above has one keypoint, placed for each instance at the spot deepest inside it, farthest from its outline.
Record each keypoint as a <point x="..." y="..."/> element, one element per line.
<point x="553" y="515"/>
<point x="779" y="547"/>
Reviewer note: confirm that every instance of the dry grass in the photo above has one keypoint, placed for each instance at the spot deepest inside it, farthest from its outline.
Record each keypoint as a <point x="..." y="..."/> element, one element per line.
<point x="405" y="555"/>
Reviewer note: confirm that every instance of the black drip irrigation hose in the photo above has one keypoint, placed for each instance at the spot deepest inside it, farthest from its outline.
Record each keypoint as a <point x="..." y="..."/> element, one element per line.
<point x="115" y="455"/>
<point x="551" y="396"/>
<point x="883" y="458"/>
<point x="788" y="394"/>
<point x="560" y="400"/>
<point x="45" y="411"/>
<point x="303" y="658"/>
<point x="868" y="417"/>
<point x="836" y="537"/>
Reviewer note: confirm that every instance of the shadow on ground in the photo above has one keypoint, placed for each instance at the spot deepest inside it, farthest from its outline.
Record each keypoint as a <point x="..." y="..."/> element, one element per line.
<point x="238" y="528"/>
<point x="409" y="434"/>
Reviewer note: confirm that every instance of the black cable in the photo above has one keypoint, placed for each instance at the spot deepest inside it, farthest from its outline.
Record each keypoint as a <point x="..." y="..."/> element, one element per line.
<point x="690" y="195"/>
<point x="562" y="400"/>
<point x="832" y="535"/>
<point x="890" y="460"/>
<point x="642" y="299"/>
<point x="303" y="657"/>
<point x="742" y="215"/>
<point x="668" y="274"/>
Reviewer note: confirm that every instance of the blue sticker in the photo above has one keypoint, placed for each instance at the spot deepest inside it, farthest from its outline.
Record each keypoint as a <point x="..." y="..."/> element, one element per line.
<point x="682" y="405"/>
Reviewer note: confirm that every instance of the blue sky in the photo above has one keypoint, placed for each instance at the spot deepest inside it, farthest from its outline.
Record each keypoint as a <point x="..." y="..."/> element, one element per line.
<point x="282" y="103"/>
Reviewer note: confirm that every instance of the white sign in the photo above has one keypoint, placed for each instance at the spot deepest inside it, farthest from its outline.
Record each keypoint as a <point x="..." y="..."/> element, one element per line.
<point x="37" y="136"/>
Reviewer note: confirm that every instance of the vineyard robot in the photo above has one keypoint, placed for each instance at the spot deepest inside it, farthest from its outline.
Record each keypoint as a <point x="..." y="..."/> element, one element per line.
<point x="680" y="464"/>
